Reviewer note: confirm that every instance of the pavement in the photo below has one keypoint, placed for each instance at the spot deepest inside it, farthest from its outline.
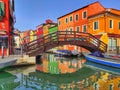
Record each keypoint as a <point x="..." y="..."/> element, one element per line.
<point x="20" y="60"/>
<point x="8" y="58"/>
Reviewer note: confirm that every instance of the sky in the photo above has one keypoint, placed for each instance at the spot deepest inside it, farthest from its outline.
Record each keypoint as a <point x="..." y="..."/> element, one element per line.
<point x="31" y="13"/>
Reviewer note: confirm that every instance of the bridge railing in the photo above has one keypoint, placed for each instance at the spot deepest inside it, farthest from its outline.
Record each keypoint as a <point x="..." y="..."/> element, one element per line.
<point x="63" y="36"/>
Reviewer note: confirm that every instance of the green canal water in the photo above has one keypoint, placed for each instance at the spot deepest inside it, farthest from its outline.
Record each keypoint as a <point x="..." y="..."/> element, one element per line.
<point x="58" y="73"/>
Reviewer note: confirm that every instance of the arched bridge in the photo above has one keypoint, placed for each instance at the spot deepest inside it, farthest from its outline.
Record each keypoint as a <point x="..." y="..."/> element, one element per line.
<point x="59" y="38"/>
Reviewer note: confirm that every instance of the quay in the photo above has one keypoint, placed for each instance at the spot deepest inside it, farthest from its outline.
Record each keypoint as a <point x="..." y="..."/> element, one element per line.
<point x="7" y="61"/>
<point x="16" y="60"/>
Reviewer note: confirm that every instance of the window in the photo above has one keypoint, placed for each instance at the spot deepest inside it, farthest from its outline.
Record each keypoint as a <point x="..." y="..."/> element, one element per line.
<point x="59" y="23"/>
<point x="70" y="18"/>
<point x="114" y="43"/>
<point x="2" y="9"/>
<point x="66" y="31"/>
<point x="66" y="20"/>
<point x="76" y="17"/>
<point x="84" y="14"/>
<point x="70" y="30"/>
<point x="84" y="28"/>
<point x="111" y="24"/>
<point x="95" y="25"/>
<point x="119" y="25"/>
<point x="4" y="42"/>
<point x="77" y="29"/>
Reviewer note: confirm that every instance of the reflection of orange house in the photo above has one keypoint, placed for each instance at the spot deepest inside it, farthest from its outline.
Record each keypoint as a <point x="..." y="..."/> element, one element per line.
<point x="78" y="19"/>
<point x="108" y="22"/>
<point x="45" y="65"/>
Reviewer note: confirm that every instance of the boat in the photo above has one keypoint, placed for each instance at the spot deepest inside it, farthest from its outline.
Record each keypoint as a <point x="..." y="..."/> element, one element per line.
<point x="67" y="53"/>
<point x="64" y="53"/>
<point x="7" y="63"/>
<point x="105" y="60"/>
<point x="75" y="53"/>
<point x="103" y="67"/>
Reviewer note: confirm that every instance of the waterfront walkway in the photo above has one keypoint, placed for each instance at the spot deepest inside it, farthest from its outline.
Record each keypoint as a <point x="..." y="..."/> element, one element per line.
<point x="8" y="58"/>
<point x="21" y="61"/>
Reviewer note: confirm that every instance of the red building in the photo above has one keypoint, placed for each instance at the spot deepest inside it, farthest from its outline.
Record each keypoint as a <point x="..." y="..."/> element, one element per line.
<point x="40" y="30"/>
<point x="6" y="26"/>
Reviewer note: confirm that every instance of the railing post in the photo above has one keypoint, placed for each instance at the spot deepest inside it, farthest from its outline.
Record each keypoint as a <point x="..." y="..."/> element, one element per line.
<point x="74" y="36"/>
<point x="50" y="39"/>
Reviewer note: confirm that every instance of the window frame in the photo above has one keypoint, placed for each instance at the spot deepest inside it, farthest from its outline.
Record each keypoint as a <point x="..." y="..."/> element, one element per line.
<point x="111" y="24"/>
<point x="83" y="14"/>
<point x="119" y="25"/>
<point x="70" y="18"/>
<point x="67" y="30"/>
<point x="59" y="22"/>
<point x="77" y="29"/>
<point x="96" y="27"/>
<point x="77" y="17"/>
<point x="70" y="30"/>
<point x="83" y="28"/>
<point x="66" y="19"/>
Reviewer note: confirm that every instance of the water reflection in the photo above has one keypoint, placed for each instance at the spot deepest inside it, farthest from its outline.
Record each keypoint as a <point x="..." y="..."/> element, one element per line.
<point x="55" y="73"/>
<point x="59" y="65"/>
<point x="7" y="81"/>
<point x="96" y="81"/>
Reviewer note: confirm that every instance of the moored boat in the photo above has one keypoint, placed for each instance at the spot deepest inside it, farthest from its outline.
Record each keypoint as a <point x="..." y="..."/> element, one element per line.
<point x="113" y="62"/>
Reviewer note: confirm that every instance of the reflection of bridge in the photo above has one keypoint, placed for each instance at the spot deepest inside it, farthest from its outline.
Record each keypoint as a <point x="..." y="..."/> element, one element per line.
<point x="60" y="38"/>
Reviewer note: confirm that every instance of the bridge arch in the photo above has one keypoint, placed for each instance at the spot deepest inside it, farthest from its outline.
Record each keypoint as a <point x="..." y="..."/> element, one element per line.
<point x="59" y="38"/>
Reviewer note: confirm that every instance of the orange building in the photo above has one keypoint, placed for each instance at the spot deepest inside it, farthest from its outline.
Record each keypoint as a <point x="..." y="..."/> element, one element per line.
<point x="107" y="22"/>
<point x="78" y="20"/>
<point x="6" y="26"/>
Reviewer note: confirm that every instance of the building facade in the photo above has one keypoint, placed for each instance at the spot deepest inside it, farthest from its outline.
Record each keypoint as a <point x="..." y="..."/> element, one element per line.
<point x="94" y="19"/>
<point x="7" y="20"/>
<point x="78" y="20"/>
<point x="106" y="22"/>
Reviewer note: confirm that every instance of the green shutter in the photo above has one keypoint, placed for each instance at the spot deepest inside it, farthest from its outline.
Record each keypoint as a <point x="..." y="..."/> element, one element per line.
<point x="2" y="9"/>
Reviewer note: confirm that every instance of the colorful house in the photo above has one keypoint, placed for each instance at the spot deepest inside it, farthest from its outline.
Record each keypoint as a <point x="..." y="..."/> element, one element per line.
<point x="39" y="29"/>
<point x="49" y="23"/>
<point x="53" y="29"/>
<point x="17" y="38"/>
<point x="78" y="20"/>
<point x="7" y="20"/>
<point x="26" y="37"/>
<point x="106" y="22"/>
<point x="32" y="35"/>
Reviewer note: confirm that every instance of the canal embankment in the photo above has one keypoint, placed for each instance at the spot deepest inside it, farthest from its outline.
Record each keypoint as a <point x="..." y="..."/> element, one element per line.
<point x="20" y="60"/>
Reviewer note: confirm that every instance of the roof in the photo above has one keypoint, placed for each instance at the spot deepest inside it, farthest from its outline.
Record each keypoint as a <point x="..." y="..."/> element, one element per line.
<point x="103" y="12"/>
<point x="78" y="9"/>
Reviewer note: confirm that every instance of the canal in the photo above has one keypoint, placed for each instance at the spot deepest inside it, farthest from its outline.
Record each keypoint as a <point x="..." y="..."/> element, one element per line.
<point x="59" y="73"/>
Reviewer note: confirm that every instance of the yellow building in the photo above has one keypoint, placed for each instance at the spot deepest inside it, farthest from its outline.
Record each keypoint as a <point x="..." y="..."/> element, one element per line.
<point x="106" y="22"/>
<point x="32" y="35"/>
